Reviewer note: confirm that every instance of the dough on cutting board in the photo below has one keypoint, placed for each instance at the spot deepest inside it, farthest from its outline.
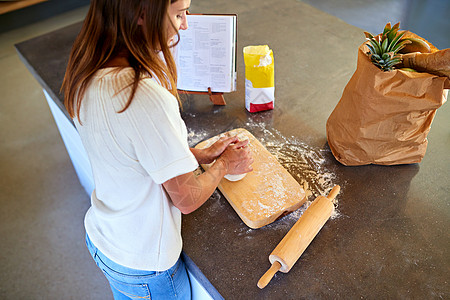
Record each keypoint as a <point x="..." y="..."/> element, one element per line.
<point x="241" y="137"/>
<point x="236" y="177"/>
<point x="253" y="197"/>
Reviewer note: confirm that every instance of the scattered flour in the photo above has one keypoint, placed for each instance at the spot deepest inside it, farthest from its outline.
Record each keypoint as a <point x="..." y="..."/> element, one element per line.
<point x="305" y="163"/>
<point x="195" y="137"/>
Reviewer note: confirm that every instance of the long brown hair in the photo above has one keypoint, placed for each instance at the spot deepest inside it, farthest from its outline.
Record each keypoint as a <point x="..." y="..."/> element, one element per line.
<point x="111" y="29"/>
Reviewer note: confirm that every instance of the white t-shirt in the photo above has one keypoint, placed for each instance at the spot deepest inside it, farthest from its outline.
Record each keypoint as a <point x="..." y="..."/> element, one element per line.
<point x="132" y="220"/>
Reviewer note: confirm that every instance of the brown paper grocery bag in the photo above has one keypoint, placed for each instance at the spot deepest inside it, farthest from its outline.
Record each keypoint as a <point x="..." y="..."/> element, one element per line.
<point x="384" y="117"/>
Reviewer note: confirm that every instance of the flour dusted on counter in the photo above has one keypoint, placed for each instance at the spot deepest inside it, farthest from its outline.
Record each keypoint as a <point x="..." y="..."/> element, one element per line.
<point x="305" y="163"/>
<point x="195" y="137"/>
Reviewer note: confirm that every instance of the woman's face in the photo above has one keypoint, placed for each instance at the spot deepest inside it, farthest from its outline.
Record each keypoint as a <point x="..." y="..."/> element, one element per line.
<point x="177" y="15"/>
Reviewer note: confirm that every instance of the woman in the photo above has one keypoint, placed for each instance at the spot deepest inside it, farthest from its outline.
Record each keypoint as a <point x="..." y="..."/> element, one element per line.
<point x="120" y="89"/>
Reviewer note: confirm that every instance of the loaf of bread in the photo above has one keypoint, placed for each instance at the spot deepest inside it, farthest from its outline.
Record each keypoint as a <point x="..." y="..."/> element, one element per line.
<point x="437" y="63"/>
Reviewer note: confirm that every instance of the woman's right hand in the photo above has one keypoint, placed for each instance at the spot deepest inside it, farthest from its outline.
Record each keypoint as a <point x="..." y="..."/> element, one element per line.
<point x="237" y="158"/>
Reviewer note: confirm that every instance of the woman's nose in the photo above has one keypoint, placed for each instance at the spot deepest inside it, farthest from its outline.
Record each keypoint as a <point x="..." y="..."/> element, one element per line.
<point x="184" y="24"/>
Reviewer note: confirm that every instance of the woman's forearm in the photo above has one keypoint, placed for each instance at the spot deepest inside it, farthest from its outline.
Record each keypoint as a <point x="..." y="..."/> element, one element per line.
<point x="188" y="191"/>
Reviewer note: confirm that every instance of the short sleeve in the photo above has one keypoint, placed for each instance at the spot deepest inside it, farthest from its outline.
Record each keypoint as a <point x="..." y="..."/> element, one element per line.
<point x="158" y="133"/>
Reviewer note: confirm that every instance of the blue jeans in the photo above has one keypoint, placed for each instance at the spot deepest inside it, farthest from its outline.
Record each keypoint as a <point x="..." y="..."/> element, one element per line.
<point x="129" y="283"/>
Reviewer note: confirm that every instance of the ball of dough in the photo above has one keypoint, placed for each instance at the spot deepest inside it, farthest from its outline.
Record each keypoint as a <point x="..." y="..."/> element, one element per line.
<point x="235" y="177"/>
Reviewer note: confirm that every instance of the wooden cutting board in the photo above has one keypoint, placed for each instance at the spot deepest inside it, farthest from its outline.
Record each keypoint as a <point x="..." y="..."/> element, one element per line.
<point x="266" y="193"/>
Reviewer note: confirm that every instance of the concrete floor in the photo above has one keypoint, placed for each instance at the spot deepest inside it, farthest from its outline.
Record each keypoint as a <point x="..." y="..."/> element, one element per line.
<point x="42" y="204"/>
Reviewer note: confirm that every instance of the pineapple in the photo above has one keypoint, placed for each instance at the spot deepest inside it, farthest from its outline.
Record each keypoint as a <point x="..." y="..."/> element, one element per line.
<point x="383" y="48"/>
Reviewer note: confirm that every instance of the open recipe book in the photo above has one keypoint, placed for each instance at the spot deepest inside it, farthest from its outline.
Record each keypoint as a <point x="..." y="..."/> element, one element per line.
<point x="206" y="54"/>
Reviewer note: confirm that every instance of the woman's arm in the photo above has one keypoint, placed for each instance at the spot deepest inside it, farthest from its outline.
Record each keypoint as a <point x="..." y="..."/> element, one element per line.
<point x="188" y="191"/>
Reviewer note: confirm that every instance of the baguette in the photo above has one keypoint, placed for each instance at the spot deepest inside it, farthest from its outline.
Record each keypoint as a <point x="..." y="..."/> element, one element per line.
<point x="437" y="63"/>
<point x="416" y="45"/>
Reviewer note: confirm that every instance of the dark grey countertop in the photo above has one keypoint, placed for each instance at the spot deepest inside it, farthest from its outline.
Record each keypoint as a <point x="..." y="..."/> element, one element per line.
<point x="389" y="238"/>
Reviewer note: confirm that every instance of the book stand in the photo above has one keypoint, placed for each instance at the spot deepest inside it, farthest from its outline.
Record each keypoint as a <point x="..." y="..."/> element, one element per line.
<point x="215" y="97"/>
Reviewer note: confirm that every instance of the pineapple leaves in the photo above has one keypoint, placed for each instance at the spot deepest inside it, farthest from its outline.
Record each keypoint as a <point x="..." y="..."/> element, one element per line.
<point x="376" y="56"/>
<point x="391" y="35"/>
<point x="376" y="46"/>
<point x="400" y="45"/>
<point x="395" y="41"/>
<point x="396" y="27"/>
<point x="371" y="49"/>
<point x="383" y="48"/>
<point x="392" y="63"/>
<point x="368" y="35"/>
<point x="387" y="28"/>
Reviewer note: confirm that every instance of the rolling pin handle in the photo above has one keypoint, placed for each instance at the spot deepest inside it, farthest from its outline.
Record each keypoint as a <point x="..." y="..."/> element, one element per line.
<point x="334" y="192"/>
<point x="265" y="279"/>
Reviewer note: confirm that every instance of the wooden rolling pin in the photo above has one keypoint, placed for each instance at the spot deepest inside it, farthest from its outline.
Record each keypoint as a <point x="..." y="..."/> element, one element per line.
<point x="291" y="247"/>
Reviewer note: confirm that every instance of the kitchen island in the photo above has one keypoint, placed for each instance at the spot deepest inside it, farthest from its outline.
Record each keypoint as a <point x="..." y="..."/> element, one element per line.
<point x="388" y="236"/>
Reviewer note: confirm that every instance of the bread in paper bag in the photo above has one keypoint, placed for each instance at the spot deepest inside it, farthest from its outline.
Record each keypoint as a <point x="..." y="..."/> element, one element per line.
<point x="384" y="117"/>
<point x="259" y="78"/>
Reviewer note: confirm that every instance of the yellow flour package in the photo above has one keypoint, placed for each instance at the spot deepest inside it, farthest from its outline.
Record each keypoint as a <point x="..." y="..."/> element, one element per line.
<point x="259" y="78"/>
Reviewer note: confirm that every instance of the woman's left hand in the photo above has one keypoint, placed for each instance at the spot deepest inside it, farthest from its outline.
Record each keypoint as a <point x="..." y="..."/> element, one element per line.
<point x="208" y="155"/>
